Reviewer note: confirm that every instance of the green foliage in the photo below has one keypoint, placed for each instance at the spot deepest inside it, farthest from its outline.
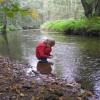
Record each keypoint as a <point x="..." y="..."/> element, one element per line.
<point x="15" y="7"/>
<point x="11" y="28"/>
<point x="62" y="25"/>
<point x="13" y="10"/>
<point x="79" y="24"/>
<point x="1" y="1"/>
<point x="23" y="12"/>
<point x="92" y="24"/>
<point x="1" y="26"/>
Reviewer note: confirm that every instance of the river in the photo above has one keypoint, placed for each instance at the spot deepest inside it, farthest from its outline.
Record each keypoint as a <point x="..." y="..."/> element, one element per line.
<point x="76" y="58"/>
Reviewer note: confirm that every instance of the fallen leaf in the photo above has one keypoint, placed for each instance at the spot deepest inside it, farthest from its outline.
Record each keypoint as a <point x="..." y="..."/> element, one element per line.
<point x="22" y="95"/>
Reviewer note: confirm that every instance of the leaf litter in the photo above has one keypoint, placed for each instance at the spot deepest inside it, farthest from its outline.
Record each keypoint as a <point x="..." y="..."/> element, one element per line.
<point x="16" y="84"/>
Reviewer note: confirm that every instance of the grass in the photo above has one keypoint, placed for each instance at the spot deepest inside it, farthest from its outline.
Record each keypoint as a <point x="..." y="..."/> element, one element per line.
<point x="91" y="24"/>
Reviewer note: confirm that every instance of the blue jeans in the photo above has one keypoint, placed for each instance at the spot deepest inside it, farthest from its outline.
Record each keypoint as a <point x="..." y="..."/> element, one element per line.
<point x="44" y="60"/>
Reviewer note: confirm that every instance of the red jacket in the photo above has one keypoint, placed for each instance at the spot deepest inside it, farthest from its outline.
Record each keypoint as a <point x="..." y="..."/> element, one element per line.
<point x="42" y="51"/>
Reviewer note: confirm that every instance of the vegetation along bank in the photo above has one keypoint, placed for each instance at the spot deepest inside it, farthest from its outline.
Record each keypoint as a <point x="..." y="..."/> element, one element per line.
<point x="83" y="26"/>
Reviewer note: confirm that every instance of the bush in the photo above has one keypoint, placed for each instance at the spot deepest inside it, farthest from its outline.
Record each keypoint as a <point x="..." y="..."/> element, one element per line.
<point x="91" y="24"/>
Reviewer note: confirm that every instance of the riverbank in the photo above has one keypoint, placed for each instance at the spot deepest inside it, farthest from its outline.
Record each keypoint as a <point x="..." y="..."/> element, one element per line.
<point x="17" y="84"/>
<point x="83" y="26"/>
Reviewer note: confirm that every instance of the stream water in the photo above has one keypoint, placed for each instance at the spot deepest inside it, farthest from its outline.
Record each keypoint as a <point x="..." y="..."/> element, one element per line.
<point x="76" y="58"/>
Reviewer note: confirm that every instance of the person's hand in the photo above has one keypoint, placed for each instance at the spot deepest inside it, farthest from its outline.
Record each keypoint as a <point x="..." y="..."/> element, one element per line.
<point x="50" y="56"/>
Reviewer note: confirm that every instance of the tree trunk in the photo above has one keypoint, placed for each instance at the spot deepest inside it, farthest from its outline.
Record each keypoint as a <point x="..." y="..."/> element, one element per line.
<point x="97" y="7"/>
<point x="87" y="8"/>
<point x="4" y="30"/>
<point x="91" y="8"/>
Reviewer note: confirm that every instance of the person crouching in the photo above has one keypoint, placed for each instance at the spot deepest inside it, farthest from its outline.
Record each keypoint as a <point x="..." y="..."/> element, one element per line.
<point x="43" y="50"/>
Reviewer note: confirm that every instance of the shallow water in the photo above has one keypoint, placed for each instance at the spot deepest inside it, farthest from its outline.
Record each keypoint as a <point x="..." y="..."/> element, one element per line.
<point x="75" y="58"/>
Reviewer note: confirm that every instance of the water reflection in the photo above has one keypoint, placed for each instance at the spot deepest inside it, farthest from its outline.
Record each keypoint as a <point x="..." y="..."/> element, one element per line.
<point x="10" y="45"/>
<point x="44" y="68"/>
<point x="4" y="45"/>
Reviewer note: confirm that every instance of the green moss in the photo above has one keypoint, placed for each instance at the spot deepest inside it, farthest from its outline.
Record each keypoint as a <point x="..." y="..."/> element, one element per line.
<point x="64" y="25"/>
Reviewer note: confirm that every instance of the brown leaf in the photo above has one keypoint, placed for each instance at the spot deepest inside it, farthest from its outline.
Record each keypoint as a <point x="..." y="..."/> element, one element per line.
<point x="33" y="98"/>
<point x="15" y="88"/>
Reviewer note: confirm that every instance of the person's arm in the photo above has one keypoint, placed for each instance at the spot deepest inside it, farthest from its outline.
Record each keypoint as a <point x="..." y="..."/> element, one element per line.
<point x="49" y="53"/>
